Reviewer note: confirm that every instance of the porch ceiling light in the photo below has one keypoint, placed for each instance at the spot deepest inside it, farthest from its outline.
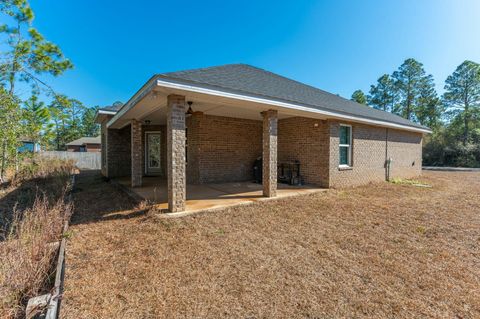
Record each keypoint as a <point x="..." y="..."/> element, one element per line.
<point x="189" y="111"/>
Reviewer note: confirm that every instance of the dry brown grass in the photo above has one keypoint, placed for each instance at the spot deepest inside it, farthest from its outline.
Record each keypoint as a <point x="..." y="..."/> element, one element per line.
<point x="35" y="212"/>
<point x="379" y="251"/>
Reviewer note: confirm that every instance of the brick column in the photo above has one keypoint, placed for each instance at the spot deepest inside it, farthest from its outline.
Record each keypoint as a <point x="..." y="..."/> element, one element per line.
<point x="136" y="149"/>
<point x="269" y="171"/>
<point x="177" y="189"/>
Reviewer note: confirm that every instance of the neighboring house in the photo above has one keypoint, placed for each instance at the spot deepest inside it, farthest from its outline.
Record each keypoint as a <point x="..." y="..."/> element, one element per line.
<point x="85" y="144"/>
<point x="28" y="145"/>
<point x="210" y="125"/>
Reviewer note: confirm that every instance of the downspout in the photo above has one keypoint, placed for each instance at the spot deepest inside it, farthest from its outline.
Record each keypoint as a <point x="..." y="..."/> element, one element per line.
<point x="388" y="160"/>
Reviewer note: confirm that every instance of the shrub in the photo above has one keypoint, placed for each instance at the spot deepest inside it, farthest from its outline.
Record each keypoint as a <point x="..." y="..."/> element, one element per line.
<point x="27" y="252"/>
<point x="40" y="167"/>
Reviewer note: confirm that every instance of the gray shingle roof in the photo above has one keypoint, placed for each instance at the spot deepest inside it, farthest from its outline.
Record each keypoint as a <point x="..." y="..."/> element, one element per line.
<point x="112" y="108"/>
<point x="85" y="140"/>
<point x="248" y="80"/>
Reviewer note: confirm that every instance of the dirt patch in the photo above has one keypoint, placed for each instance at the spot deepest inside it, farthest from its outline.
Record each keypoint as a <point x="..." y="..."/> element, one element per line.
<point x="383" y="250"/>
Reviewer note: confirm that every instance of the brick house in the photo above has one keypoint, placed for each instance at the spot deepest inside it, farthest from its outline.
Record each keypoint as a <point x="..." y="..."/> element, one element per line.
<point x="85" y="144"/>
<point x="210" y="125"/>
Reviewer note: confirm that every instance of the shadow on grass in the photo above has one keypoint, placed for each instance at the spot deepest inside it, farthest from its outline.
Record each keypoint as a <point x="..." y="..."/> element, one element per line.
<point x="96" y="200"/>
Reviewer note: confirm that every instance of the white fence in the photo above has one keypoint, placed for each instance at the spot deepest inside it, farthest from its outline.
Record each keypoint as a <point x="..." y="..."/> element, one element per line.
<point x="83" y="160"/>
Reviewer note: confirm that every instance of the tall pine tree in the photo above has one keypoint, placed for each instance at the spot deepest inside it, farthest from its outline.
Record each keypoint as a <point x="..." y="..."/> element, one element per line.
<point x="409" y="80"/>
<point x="383" y="95"/>
<point x="429" y="107"/>
<point x="28" y="54"/>
<point x="462" y="94"/>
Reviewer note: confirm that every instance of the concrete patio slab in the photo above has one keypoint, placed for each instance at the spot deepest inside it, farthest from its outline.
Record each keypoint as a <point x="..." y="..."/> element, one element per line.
<point x="211" y="196"/>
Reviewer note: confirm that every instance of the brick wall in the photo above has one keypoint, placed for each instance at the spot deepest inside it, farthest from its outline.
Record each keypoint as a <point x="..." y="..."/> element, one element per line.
<point x="73" y="148"/>
<point x="194" y="136"/>
<point x="136" y="152"/>
<point x="118" y="152"/>
<point x="93" y="147"/>
<point x="177" y="176"/>
<point x="305" y="140"/>
<point x="370" y="149"/>
<point x="222" y="149"/>
<point x="405" y="149"/>
<point x="270" y="152"/>
<point x="103" y="134"/>
<point x="88" y="148"/>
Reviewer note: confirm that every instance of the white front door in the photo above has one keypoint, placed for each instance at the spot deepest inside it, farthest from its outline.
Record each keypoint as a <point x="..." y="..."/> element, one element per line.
<point x="152" y="156"/>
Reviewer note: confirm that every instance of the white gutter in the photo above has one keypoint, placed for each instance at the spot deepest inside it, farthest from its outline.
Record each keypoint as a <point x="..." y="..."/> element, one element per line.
<point x="107" y="112"/>
<point x="103" y="112"/>
<point x="286" y="105"/>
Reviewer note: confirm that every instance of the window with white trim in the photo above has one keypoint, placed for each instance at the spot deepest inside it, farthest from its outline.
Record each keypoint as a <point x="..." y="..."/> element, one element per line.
<point x="345" y="145"/>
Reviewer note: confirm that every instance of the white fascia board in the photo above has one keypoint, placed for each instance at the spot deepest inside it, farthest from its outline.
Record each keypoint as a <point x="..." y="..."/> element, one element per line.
<point x="147" y="87"/>
<point x="297" y="107"/>
<point x="107" y="112"/>
<point x="102" y="112"/>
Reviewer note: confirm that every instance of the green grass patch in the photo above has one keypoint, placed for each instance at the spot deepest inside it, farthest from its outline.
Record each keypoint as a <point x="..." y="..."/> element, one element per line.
<point x="411" y="182"/>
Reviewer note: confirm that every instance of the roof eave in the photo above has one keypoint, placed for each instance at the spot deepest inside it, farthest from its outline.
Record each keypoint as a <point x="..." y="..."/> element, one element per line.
<point x="163" y="81"/>
<point x="175" y="84"/>
<point x="100" y="115"/>
<point x="147" y="87"/>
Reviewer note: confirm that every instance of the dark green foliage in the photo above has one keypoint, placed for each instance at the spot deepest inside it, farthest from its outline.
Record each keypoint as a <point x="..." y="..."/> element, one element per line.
<point x="36" y="120"/>
<point x="71" y="120"/>
<point x="462" y="95"/>
<point x="411" y="82"/>
<point x="443" y="148"/>
<point x="89" y="127"/>
<point x="10" y="116"/>
<point x="458" y="144"/>
<point x="383" y="95"/>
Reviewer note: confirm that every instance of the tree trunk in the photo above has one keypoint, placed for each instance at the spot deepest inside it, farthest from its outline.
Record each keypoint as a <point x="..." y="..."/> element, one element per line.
<point x="466" y="120"/>
<point x="13" y="71"/>
<point x="2" y="169"/>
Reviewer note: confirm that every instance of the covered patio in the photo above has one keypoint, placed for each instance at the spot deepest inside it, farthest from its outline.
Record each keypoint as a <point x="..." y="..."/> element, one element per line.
<point x="210" y="196"/>
<point x="189" y="149"/>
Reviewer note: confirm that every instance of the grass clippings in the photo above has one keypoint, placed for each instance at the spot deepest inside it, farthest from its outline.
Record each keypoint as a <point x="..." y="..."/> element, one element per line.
<point x="379" y="251"/>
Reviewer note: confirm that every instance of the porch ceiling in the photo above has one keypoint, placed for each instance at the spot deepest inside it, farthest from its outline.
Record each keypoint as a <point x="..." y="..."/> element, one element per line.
<point x="153" y="107"/>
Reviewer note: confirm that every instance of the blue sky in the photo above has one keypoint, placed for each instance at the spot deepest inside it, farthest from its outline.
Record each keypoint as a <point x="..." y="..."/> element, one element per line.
<point x="339" y="46"/>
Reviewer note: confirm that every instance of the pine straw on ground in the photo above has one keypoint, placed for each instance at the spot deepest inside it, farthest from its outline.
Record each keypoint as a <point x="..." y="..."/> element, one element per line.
<point x="378" y="251"/>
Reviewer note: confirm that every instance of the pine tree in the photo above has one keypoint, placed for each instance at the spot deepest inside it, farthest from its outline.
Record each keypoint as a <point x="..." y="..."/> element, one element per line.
<point x="89" y="127"/>
<point x="28" y="53"/>
<point x="359" y="97"/>
<point x="67" y="114"/>
<point x="36" y="120"/>
<point x="429" y="108"/>
<point x="462" y="94"/>
<point x="383" y="95"/>
<point x="409" y="80"/>
<point x="10" y="115"/>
